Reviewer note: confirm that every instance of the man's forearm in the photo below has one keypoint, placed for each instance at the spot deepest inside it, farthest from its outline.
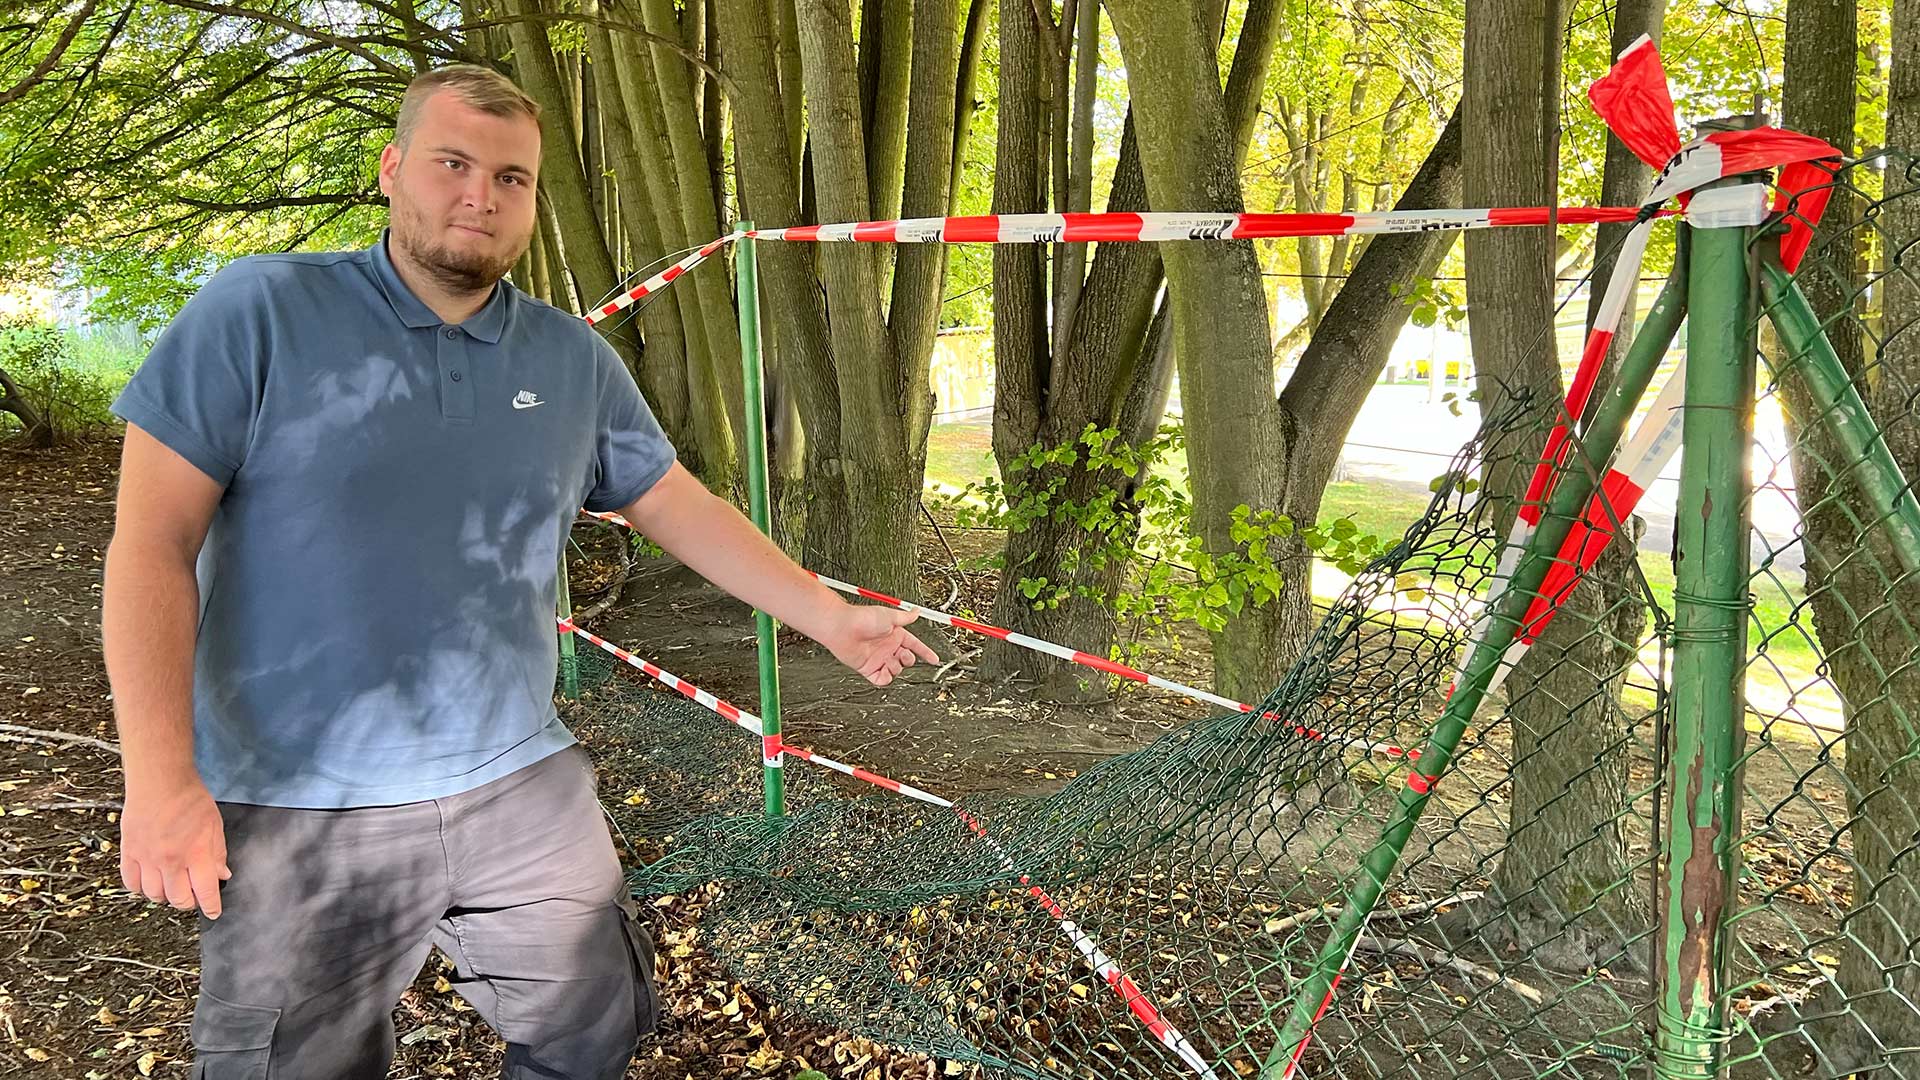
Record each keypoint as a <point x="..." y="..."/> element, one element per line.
<point x="714" y="540"/>
<point x="149" y="618"/>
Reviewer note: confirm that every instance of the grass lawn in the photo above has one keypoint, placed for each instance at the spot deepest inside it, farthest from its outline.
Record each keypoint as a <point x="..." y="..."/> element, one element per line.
<point x="958" y="454"/>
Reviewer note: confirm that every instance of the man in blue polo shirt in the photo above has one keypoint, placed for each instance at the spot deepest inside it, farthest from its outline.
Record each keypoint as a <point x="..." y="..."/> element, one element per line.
<point x="328" y="624"/>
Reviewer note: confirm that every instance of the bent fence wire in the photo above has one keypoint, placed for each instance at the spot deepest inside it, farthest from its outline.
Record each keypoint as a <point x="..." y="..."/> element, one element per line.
<point x="1160" y="914"/>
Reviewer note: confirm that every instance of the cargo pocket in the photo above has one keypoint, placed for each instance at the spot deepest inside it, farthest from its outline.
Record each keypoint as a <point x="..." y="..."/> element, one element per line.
<point x="231" y="1042"/>
<point x="646" y="1002"/>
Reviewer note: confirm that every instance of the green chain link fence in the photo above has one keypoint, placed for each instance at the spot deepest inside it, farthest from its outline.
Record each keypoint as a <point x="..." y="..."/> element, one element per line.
<point x="1553" y="909"/>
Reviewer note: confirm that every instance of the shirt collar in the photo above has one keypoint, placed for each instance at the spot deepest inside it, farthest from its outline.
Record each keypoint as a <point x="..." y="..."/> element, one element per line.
<point x="485" y="324"/>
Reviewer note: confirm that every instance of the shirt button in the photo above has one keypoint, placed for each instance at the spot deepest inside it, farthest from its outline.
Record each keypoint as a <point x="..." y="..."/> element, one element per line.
<point x="452" y="333"/>
<point x="456" y="376"/>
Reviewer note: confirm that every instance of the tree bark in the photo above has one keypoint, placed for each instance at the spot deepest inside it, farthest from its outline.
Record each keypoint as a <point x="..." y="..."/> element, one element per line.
<point x="717" y="396"/>
<point x="36" y="430"/>
<point x="921" y="269"/>
<point x="1107" y="375"/>
<point x="632" y="66"/>
<point x="786" y="51"/>
<point x="1565" y="850"/>
<point x="1070" y="260"/>
<point x="561" y="174"/>
<point x="1862" y="605"/>
<point x="663" y="376"/>
<point x="882" y="480"/>
<point x="763" y="149"/>
<point x="1247" y="80"/>
<point x="539" y="283"/>
<point x="1236" y="449"/>
<point x="972" y="43"/>
<point x="593" y="155"/>
<point x="713" y="115"/>
<point x="886" y="128"/>
<point x="562" y="289"/>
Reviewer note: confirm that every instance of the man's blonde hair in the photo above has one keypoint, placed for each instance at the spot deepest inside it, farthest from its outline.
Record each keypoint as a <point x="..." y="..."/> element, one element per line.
<point x="481" y="87"/>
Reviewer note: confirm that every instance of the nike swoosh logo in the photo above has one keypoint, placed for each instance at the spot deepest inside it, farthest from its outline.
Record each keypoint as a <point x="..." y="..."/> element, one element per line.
<point x="518" y="404"/>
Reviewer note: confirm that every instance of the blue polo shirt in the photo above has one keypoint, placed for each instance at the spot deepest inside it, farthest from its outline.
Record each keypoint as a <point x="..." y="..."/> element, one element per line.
<point x="377" y="588"/>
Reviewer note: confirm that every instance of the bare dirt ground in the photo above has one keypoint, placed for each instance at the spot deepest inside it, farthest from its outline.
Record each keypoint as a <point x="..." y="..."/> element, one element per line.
<point x="96" y="983"/>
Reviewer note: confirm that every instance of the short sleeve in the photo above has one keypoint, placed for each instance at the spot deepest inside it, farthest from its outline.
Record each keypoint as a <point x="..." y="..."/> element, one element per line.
<point x="199" y="390"/>
<point x="631" y="452"/>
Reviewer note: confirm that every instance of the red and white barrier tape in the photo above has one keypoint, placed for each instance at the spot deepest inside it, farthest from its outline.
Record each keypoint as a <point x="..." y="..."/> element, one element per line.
<point x="772" y="746"/>
<point x="660" y="280"/>
<point x="1102" y="965"/>
<point x="1075" y="656"/>
<point x="1130" y="228"/>
<point x="1633" y="100"/>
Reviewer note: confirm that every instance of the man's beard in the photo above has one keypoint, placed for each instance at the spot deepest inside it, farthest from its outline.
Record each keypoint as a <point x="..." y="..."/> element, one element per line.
<point x="460" y="272"/>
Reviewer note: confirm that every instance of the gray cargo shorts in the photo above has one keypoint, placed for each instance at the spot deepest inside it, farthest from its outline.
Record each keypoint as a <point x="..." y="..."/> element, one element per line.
<point x="330" y="915"/>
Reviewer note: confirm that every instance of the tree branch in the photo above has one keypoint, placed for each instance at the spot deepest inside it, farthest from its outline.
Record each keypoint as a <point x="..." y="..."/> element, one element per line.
<point x="1352" y="341"/>
<point x="52" y="59"/>
<point x="672" y="45"/>
<point x="1428" y="955"/>
<point x="347" y="44"/>
<point x="46" y="735"/>
<point x="346" y="198"/>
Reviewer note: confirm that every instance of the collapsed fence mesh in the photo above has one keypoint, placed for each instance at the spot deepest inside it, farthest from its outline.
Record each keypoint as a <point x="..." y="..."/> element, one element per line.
<point x="1158" y="914"/>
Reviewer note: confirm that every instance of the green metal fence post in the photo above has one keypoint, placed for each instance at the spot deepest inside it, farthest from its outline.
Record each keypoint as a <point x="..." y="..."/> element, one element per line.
<point x="563" y="605"/>
<point x="1698" y="869"/>
<point x="1810" y="357"/>
<point x="1568" y="503"/>
<point x="772" y="757"/>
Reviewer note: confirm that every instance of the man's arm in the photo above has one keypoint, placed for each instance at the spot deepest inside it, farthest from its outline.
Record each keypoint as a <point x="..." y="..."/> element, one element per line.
<point x="172" y="846"/>
<point x="705" y="532"/>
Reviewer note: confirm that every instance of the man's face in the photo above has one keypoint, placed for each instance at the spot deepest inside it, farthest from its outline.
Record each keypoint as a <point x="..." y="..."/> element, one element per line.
<point x="462" y="192"/>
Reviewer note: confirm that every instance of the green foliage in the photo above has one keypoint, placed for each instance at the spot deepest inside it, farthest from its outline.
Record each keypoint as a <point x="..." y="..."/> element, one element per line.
<point x="69" y="378"/>
<point x="171" y="140"/>
<point x="1140" y="515"/>
<point x="1435" y="302"/>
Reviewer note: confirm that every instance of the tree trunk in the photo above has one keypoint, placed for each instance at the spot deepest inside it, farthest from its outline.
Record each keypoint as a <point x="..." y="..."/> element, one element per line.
<point x="36" y="430"/>
<point x="1109" y="325"/>
<point x="768" y="175"/>
<point x="660" y="216"/>
<point x="785" y="29"/>
<point x="717" y="390"/>
<point x="539" y="277"/>
<point x="1247" y="80"/>
<point x="663" y="376"/>
<point x="1865" y="627"/>
<point x="1070" y="260"/>
<point x="882" y="478"/>
<point x="713" y="114"/>
<point x="562" y="290"/>
<point x="1565" y="849"/>
<point x="891" y="54"/>
<point x="1236" y="450"/>
<point x="1108" y="376"/>
<point x="561" y="175"/>
<point x="921" y="269"/>
<point x="972" y="43"/>
<point x="593" y="155"/>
